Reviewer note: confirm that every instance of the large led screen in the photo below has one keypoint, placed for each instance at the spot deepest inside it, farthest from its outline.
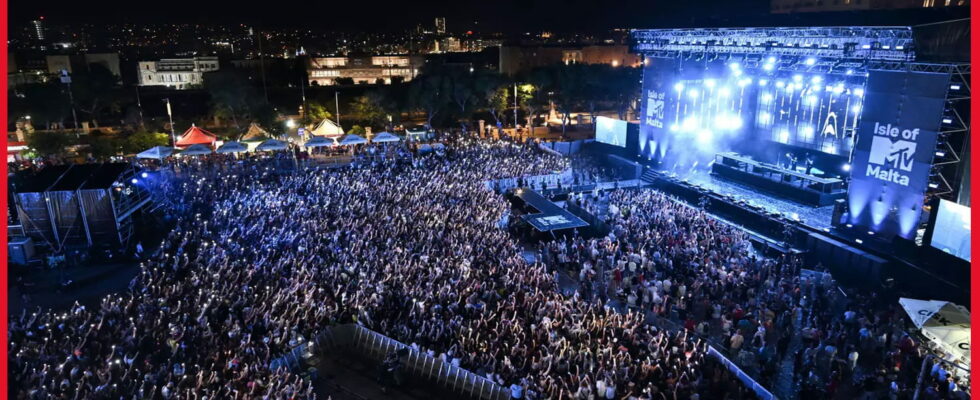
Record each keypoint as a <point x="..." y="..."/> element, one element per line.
<point x="952" y="230"/>
<point x="610" y="131"/>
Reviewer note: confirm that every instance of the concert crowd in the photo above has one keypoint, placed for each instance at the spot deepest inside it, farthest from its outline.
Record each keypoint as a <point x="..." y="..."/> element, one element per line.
<point x="260" y="262"/>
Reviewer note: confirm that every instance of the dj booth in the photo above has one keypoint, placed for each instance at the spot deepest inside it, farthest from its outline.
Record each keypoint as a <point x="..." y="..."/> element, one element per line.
<point x="792" y="184"/>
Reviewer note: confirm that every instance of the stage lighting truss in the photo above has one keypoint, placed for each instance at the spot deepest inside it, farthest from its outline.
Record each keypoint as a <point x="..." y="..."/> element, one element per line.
<point x="951" y="143"/>
<point x="832" y="43"/>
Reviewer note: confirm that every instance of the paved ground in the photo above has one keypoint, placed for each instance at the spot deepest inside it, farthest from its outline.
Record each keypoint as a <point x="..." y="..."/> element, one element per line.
<point x="90" y="284"/>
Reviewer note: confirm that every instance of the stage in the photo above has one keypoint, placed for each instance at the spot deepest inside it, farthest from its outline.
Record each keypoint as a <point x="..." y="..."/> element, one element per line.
<point x="816" y="217"/>
<point x="549" y="216"/>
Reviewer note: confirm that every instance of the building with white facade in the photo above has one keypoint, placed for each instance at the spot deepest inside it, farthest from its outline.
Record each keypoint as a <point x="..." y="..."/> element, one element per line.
<point x="179" y="73"/>
<point x="326" y="71"/>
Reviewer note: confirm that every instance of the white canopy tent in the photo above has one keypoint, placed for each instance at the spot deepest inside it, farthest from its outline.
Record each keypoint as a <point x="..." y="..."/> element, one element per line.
<point x="319" y="141"/>
<point x="327" y="128"/>
<point x="351" y="140"/>
<point x="271" y="145"/>
<point x="156" y="153"/>
<point x="385" y="137"/>
<point x="232" y="147"/>
<point x="196" y="150"/>
<point x="944" y="323"/>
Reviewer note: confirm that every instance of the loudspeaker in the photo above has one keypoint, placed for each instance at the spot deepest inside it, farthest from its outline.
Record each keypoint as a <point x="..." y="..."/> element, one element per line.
<point x="840" y="207"/>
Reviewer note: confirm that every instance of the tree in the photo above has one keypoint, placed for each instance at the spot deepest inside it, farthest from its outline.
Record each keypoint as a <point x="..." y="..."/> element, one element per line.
<point x="47" y="104"/>
<point x="427" y="94"/>
<point x="96" y="91"/>
<point x="367" y="109"/>
<point x="344" y="81"/>
<point x="143" y="140"/>
<point x="101" y="145"/>
<point x="357" y="130"/>
<point x="235" y="99"/>
<point x="51" y="142"/>
<point x="315" y="112"/>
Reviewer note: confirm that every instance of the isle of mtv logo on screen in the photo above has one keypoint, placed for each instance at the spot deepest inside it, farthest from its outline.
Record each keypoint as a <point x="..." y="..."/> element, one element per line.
<point x="892" y="154"/>
<point x="655" y="109"/>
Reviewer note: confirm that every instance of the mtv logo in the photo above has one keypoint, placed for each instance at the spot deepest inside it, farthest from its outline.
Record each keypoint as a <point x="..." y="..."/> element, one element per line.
<point x="655" y="108"/>
<point x="897" y="154"/>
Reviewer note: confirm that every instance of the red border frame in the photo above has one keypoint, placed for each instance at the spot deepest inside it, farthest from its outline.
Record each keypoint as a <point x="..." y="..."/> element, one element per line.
<point x="3" y="203"/>
<point x="975" y="183"/>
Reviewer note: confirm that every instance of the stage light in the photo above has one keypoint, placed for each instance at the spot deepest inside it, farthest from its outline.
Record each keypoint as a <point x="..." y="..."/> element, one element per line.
<point x="797" y="78"/>
<point x="811" y="61"/>
<point x="745" y="82"/>
<point x="940" y="154"/>
<point x="866" y="46"/>
<point x="856" y="109"/>
<point x="724" y="92"/>
<point x="765" y="118"/>
<point x="709" y="83"/>
<point x="780" y="84"/>
<point x="771" y="60"/>
<point x="859" y="92"/>
<point x="737" y="73"/>
<point x="784" y="136"/>
<point x="734" y="66"/>
<point x="816" y="79"/>
<point x="766" y="97"/>
<point x="934" y="186"/>
<point x="679" y="87"/>
<point x="145" y="175"/>
<point x="674" y="128"/>
<point x="806" y="132"/>
<point x="849" y="72"/>
<point x="859" y="241"/>
<point x="947" y="120"/>
<point x="689" y="124"/>
<point x="134" y="181"/>
<point x="763" y="82"/>
<point x="693" y="93"/>
<point x="850" y="226"/>
<point x="838" y="89"/>
<point x="768" y="67"/>
<point x="810" y="100"/>
<point x="705" y="136"/>
<point x="954" y="87"/>
<point x="846" y="167"/>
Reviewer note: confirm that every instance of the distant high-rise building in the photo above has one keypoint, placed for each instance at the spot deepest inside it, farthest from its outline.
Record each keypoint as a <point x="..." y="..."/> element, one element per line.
<point x="441" y="26"/>
<point x="38" y="29"/>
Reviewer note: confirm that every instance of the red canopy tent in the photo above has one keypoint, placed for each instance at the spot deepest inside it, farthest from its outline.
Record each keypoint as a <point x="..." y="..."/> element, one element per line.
<point x="195" y="135"/>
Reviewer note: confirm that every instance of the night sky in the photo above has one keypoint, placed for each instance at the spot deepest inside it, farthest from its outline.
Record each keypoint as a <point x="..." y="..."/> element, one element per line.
<point x="487" y="15"/>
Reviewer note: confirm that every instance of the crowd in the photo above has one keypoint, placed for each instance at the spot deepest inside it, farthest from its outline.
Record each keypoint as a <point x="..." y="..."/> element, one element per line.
<point x="261" y="261"/>
<point x="675" y="263"/>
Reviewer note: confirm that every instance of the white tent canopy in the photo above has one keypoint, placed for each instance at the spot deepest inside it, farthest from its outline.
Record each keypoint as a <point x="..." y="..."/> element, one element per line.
<point x="271" y="145"/>
<point x="327" y="128"/>
<point x="319" y="141"/>
<point x="351" y="140"/>
<point x="385" y="137"/>
<point x="232" y="147"/>
<point x="196" y="150"/>
<point x="156" y="153"/>
<point x="944" y="323"/>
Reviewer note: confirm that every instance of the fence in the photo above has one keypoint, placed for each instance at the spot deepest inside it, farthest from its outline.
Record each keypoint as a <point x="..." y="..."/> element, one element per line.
<point x="375" y="346"/>
<point x="741" y="375"/>
<point x="458" y="380"/>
